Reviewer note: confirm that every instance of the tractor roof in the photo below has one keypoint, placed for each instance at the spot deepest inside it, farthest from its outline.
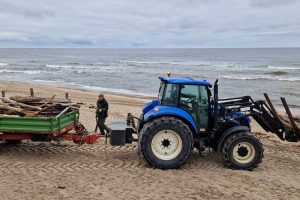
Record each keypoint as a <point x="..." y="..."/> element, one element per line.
<point x="184" y="81"/>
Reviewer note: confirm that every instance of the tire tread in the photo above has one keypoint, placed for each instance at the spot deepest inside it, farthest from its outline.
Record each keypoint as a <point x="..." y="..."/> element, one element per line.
<point x="226" y="146"/>
<point x="151" y="126"/>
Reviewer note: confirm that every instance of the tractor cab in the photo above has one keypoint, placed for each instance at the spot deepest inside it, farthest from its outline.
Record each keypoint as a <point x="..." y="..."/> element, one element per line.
<point x="192" y="96"/>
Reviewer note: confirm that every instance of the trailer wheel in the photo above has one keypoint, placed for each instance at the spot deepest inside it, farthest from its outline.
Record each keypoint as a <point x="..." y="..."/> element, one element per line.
<point x="242" y="151"/>
<point x="13" y="141"/>
<point x="166" y="143"/>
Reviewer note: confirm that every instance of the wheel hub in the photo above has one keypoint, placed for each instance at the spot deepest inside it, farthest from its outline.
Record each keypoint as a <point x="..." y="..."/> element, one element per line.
<point x="166" y="144"/>
<point x="244" y="152"/>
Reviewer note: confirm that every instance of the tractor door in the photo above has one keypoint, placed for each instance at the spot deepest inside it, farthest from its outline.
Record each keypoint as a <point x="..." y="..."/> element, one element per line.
<point x="194" y="99"/>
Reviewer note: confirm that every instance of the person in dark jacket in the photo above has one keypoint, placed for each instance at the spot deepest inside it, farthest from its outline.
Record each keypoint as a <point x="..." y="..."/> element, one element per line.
<point x="101" y="114"/>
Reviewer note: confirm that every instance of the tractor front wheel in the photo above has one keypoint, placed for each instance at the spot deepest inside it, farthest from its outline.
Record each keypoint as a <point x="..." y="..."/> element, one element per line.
<point x="242" y="151"/>
<point x="166" y="142"/>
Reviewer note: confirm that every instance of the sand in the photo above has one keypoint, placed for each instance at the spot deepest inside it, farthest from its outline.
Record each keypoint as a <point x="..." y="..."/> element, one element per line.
<point x="36" y="170"/>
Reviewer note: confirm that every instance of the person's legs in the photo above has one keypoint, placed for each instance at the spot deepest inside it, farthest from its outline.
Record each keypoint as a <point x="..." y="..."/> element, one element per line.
<point x="105" y="127"/>
<point x="101" y="125"/>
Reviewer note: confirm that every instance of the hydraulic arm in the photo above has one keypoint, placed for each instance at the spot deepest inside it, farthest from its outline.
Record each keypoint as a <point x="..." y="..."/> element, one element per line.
<point x="264" y="114"/>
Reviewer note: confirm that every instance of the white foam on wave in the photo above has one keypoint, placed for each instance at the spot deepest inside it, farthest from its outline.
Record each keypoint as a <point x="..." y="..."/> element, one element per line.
<point x="4" y="64"/>
<point x="167" y="63"/>
<point x="289" y="79"/>
<point x="79" y="72"/>
<point x="259" y="77"/>
<point x="94" y="88"/>
<point x="29" y="72"/>
<point x="53" y="82"/>
<point x="44" y="81"/>
<point x="283" y="67"/>
<point x="77" y="66"/>
<point x="32" y="72"/>
<point x="122" y="91"/>
<point x="58" y="66"/>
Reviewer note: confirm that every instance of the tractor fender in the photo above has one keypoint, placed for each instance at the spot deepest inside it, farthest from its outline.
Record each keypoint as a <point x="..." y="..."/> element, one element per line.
<point x="159" y="111"/>
<point x="229" y="132"/>
<point x="150" y="106"/>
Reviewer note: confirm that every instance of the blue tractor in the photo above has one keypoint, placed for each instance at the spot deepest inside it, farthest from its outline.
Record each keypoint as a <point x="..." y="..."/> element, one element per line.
<point x="188" y="114"/>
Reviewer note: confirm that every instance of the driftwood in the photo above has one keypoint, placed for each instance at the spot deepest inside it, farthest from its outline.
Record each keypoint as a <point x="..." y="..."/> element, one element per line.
<point x="26" y="99"/>
<point x="288" y="121"/>
<point x="63" y="112"/>
<point x="21" y="104"/>
<point x="45" y="104"/>
<point x="33" y="106"/>
<point x="13" y="109"/>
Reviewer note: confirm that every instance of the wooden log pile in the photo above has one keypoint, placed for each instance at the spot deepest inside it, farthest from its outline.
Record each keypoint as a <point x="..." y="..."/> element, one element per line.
<point x="31" y="106"/>
<point x="288" y="120"/>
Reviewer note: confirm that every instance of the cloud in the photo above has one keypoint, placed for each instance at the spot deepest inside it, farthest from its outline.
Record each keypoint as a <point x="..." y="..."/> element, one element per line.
<point x="11" y="36"/>
<point x="144" y="23"/>
<point x="271" y="3"/>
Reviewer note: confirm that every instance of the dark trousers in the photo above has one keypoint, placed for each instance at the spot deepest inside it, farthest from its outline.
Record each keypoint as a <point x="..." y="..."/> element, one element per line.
<point x="102" y="126"/>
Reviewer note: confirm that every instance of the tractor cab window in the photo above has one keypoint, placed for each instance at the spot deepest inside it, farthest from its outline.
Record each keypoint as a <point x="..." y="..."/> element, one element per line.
<point x="194" y="99"/>
<point x="161" y="91"/>
<point x="170" y="95"/>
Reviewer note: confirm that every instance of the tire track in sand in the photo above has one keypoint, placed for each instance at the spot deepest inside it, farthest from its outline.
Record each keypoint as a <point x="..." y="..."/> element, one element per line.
<point x="33" y="157"/>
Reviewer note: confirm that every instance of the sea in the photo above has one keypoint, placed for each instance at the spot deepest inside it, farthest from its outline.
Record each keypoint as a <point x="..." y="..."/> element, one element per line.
<point x="252" y="71"/>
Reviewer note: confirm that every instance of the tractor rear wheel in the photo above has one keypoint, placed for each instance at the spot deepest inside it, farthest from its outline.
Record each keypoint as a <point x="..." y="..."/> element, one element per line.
<point x="242" y="151"/>
<point x="166" y="143"/>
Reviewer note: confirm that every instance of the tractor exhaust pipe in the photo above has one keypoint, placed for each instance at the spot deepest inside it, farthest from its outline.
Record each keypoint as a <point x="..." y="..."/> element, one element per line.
<point x="216" y="104"/>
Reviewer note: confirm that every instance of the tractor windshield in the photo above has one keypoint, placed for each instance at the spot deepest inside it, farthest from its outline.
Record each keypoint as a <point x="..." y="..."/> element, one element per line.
<point x="168" y="94"/>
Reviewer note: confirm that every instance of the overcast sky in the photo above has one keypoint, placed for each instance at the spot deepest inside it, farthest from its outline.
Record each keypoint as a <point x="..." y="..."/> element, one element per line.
<point x="150" y="23"/>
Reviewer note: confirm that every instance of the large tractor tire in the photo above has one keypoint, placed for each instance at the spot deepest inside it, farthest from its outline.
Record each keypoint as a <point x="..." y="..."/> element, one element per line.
<point x="166" y="143"/>
<point x="242" y="151"/>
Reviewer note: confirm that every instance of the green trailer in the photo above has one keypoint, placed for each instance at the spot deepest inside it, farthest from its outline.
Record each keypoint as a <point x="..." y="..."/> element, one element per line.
<point x="14" y="129"/>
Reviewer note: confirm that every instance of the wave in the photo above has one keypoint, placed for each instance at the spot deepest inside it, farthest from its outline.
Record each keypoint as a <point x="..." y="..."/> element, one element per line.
<point x="29" y="72"/>
<point x="97" y="64"/>
<point x="80" y="72"/>
<point x="76" y="66"/>
<point x="4" y="64"/>
<point x="73" y="63"/>
<point x="289" y="79"/>
<point x="240" y="77"/>
<point x="94" y="88"/>
<point x="58" y="66"/>
<point x="51" y="81"/>
<point x="203" y="65"/>
<point x="167" y="63"/>
<point x="283" y="67"/>
<point x="278" y="73"/>
<point x="114" y="90"/>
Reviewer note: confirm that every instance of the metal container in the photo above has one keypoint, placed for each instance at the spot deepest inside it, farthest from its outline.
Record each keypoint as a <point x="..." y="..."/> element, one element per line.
<point x="121" y="133"/>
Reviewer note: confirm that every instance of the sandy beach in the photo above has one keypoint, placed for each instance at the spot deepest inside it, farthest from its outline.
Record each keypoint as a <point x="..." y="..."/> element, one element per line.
<point x="36" y="170"/>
